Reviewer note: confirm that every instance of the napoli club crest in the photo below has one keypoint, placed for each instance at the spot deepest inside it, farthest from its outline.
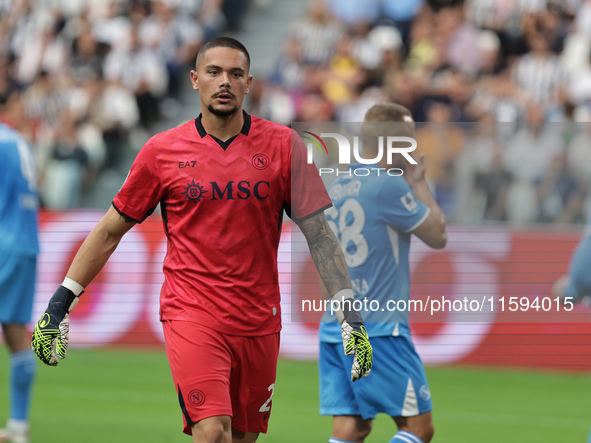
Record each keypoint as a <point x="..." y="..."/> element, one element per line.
<point x="260" y="161"/>
<point x="194" y="192"/>
<point x="196" y="397"/>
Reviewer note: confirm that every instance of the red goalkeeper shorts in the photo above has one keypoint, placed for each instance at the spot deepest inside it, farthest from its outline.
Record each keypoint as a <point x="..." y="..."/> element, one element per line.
<point x="219" y="374"/>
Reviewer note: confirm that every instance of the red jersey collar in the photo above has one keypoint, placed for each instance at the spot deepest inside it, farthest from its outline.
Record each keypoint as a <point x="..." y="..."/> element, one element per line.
<point x="245" y="127"/>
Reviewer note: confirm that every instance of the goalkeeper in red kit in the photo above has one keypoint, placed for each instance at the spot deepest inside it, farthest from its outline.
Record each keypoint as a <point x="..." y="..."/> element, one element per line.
<point x="222" y="181"/>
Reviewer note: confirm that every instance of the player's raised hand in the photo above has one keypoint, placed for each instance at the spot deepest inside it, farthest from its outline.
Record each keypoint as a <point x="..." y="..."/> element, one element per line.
<point x="415" y="173"/>
<point x="50" y="336"/>
<point x="356" y="342"/>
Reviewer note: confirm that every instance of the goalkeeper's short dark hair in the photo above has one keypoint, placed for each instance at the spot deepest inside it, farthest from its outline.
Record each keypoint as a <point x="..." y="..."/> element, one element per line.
<point x="223" y="42"/>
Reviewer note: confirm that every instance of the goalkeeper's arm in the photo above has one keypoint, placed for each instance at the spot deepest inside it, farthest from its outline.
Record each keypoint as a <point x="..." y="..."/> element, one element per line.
<point x="334" y="274"/>
<point x="50" y="337"/>
<point x="98" y="247"/>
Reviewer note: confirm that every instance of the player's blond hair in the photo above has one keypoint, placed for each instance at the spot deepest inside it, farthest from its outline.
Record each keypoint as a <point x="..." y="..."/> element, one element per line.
<point x="375" y="123"/>
<point x="388" y="112"/>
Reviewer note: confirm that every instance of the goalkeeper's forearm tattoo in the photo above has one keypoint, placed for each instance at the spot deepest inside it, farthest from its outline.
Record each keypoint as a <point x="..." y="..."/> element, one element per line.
<point x="326" y="253"/>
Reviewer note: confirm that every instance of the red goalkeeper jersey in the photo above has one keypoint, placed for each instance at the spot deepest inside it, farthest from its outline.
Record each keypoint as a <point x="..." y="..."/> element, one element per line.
<point x="222" y="205"/>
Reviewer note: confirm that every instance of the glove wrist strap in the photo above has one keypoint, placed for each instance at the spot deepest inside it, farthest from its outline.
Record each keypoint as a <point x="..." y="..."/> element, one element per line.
<point x="73" y="286"/>
<point x="74" y="290"/>
<point x="344" y="299"/>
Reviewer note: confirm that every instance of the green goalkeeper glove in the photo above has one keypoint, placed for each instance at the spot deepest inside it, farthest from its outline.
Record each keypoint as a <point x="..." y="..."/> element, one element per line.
<point x="356" y="342"/>
<point x="50" y="336"/>
<point x="355" y="338"/>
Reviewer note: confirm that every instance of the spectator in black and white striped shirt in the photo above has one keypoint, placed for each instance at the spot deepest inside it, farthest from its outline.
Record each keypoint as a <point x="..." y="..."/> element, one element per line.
<point x="539" y="72"/>
<point x="318" y="33"/>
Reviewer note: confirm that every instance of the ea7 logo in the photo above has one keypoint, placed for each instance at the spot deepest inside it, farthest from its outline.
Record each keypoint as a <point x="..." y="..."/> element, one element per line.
<point x="345" y="148"/>
<point x="187" y="164"/>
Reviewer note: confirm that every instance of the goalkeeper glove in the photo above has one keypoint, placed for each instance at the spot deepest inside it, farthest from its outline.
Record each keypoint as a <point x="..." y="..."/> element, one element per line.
<point x="355" y="338"/>
<point x="50" y="336"/>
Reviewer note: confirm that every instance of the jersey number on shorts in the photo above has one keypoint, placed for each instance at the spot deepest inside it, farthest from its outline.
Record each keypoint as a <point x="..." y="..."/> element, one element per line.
<point x="266" y="407"/>
<point x="348" y="230"/>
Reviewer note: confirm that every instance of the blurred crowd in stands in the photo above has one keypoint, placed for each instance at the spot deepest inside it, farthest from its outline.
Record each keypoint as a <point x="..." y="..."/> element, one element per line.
<point x="81" y="78"/>
<point x="489" y="66"/>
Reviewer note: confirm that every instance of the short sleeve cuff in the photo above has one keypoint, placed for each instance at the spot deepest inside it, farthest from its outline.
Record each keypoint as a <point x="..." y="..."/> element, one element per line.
<point x="131" y="219"/>
<point x="420" y="222"/>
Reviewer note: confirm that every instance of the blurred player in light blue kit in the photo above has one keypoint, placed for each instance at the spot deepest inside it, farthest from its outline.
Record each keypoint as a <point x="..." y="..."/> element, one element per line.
<point x="18" y="261"/>
<point x="374" y="216"/>
<point x="576" y="285"/>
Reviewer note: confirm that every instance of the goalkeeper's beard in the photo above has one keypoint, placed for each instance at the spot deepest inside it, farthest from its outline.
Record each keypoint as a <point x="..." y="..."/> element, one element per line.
<point x="222" y="112"/>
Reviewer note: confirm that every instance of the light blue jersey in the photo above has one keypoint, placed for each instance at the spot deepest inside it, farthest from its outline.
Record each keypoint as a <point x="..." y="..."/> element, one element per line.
<point x="373" y="216"/>
<point x="580" y="277"/>
<point x="18" y="195"/>
<point x="18" y="262"/>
